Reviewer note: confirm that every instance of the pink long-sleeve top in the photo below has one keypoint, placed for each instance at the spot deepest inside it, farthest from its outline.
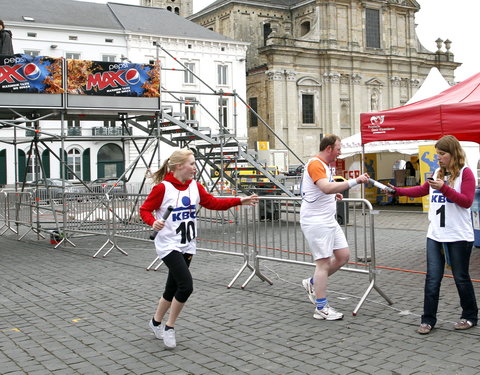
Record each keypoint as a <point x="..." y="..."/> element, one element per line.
<point x="464" y="198"/>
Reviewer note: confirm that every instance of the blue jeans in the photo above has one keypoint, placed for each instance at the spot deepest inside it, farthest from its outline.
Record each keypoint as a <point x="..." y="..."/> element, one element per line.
<point x="459" y="253"/>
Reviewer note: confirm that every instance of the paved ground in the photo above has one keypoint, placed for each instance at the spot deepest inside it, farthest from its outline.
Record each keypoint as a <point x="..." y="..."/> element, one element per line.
<point x="64" y="312"/>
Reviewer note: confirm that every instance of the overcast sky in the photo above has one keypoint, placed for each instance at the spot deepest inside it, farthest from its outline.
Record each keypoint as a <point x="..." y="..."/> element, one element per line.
<point x="457" y="21"/>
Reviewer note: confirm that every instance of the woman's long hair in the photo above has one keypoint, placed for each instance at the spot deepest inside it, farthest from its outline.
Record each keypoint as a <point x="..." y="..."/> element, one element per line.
<point x="177" y="158"/>
<point x="451" y="145"/>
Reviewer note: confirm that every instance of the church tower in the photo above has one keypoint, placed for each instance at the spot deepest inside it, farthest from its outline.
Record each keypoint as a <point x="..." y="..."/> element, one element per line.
<point x="183" y="8"/>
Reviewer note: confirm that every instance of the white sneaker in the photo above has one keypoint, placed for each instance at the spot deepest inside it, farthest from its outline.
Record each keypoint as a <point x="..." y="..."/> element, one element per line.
<point x="157" y="330"/>
<point x="309" y="289"/>
<point x="169" y="339"/>
<point x="327" y="313"/>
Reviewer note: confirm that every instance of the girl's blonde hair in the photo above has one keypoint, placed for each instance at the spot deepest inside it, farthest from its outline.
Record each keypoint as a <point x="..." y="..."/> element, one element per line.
<point x="177" y="158"/>
<point x="450" y="144"/>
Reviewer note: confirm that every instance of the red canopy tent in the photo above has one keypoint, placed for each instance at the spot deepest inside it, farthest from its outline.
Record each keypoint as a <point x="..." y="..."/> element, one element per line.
<point x="455" y="111"/>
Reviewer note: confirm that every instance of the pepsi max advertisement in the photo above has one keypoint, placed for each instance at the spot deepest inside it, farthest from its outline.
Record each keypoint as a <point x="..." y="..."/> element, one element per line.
<point x="27" y="74"/>
<point x="86" y="77"/>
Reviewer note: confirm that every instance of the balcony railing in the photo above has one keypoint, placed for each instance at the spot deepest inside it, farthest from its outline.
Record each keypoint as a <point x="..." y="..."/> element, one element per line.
<point x="109" y="131"/>
<point x="74" y="131"/>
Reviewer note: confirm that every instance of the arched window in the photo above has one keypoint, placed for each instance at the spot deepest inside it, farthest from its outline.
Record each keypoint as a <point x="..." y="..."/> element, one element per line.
<point x="304" y="28"/>
<point x="267" y="30"/>
<point x="177" y="10"/>
<point x="169" y="9"/>
<point x="32" y="166"/>
<point x="74" y="162"/>
<point x="110" y="161"/>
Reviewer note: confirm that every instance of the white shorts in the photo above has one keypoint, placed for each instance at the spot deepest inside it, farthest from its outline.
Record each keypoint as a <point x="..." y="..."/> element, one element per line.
<point x="323" y="241"/>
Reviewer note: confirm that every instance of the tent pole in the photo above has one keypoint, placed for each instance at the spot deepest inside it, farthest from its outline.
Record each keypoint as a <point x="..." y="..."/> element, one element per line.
<point x="362" y="170"/>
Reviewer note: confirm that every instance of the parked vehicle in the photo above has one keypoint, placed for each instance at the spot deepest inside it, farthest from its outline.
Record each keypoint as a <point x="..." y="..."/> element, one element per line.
<point x="109" y="185"/>
<point x="295" y="170"/>
<point x="52" y="188"/>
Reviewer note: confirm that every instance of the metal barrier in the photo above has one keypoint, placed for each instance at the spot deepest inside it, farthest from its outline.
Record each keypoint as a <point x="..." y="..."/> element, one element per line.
<point x="269" y="232"/>
<point x="3" y="212"/>
<point x="92" y="214"/>
<point x="280" y="239"/>
<point x="225" y="232"/>
<point x="18" y="212"/>
<point x="218" y="231"/>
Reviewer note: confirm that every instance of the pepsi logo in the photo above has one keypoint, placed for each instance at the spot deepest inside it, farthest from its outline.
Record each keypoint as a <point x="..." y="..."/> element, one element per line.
<point x="31" y="71"/>
<point x="132" y="76"/>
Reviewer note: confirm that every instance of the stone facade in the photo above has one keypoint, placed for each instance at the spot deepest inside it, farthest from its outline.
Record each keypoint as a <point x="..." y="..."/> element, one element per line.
<point x="314" y="66"/>
<point x="183" y="8"/>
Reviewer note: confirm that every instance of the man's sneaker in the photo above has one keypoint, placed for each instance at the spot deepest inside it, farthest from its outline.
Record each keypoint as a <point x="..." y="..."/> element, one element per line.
<point x="169" y="339"/>
<point x="310" y="291"/>
<point x="327" y="313"/>
<point x="157" y="330"/>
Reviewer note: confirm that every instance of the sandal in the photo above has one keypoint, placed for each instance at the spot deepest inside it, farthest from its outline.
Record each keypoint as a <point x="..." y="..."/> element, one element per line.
<point x="424" y="328"/>
<point x="463" y="324"/>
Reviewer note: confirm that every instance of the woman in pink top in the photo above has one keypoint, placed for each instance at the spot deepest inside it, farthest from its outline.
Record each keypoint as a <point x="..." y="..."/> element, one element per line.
<point x="450" y="233"/>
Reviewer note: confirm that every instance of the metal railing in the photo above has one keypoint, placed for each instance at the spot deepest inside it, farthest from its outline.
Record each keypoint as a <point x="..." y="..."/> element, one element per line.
<point x="270" y="231"/>
<point x="277" y="236"/>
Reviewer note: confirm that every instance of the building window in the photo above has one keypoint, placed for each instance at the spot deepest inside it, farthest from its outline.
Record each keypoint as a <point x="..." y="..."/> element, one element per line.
<point x="32" y="35"/>
<point x="222" y="72"/>
<point x="74" y="162"/>
<point x="31" y="52"/>
<point x="72" y="37"/>
<point x="304" y="28"/>
<point x="177" y="10"/>
<point x="110" y="161"/>
<point x="188" y="73"/>
<point x="372" y="27"/>
<point x="109" y="58"/>
<point x="223" y="111"/>
<point x="109" y="123"/>
<point x="308" y="114"/>
<point x="252" y="102"/>
<point x="190" y="108"/>
<point x="72" y="55"/>
<point x="267" y="30"/>
<point x="73" y="123"/>
<point x="34" y="170"/>
<point x="73" y="127"/>
<point x="108" y="40"/>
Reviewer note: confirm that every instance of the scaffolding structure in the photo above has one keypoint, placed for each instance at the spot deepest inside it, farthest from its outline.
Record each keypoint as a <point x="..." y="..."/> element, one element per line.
<point x="158" y="121"/>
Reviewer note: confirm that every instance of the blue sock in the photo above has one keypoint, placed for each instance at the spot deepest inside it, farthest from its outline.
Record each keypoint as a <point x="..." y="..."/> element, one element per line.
<point x="311" y="281"/>
<point x="321" y="303"/>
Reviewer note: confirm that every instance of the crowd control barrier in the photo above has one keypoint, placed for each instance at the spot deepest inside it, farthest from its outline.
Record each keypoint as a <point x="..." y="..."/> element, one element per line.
<point x="282" y="240"/>
<point x="3" y="212"/>
<point x="244" y="231"/>
<point x="218" y="231"/>
<point x="17" y="211"/>
<point x="88" y="214"/>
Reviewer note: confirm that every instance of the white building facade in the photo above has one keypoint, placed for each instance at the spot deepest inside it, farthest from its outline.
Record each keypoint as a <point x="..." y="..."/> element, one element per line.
<point x="117" y="33"/>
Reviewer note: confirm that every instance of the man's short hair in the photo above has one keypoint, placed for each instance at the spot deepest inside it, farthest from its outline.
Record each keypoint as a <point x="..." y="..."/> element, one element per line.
<point x="328" y="140"/>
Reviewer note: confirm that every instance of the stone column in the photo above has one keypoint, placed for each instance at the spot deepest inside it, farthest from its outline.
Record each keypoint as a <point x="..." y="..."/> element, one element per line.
<point x="291" y="108"/>
<point x="331" y="104"/>
<point x="277" y="106"/>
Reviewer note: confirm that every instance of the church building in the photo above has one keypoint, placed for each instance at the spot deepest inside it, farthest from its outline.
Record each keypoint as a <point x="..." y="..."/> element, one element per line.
<point x="314" y="65"/>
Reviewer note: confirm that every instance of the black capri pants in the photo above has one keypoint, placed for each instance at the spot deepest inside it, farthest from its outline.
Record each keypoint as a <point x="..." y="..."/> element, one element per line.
<point x="179" y="280"/>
